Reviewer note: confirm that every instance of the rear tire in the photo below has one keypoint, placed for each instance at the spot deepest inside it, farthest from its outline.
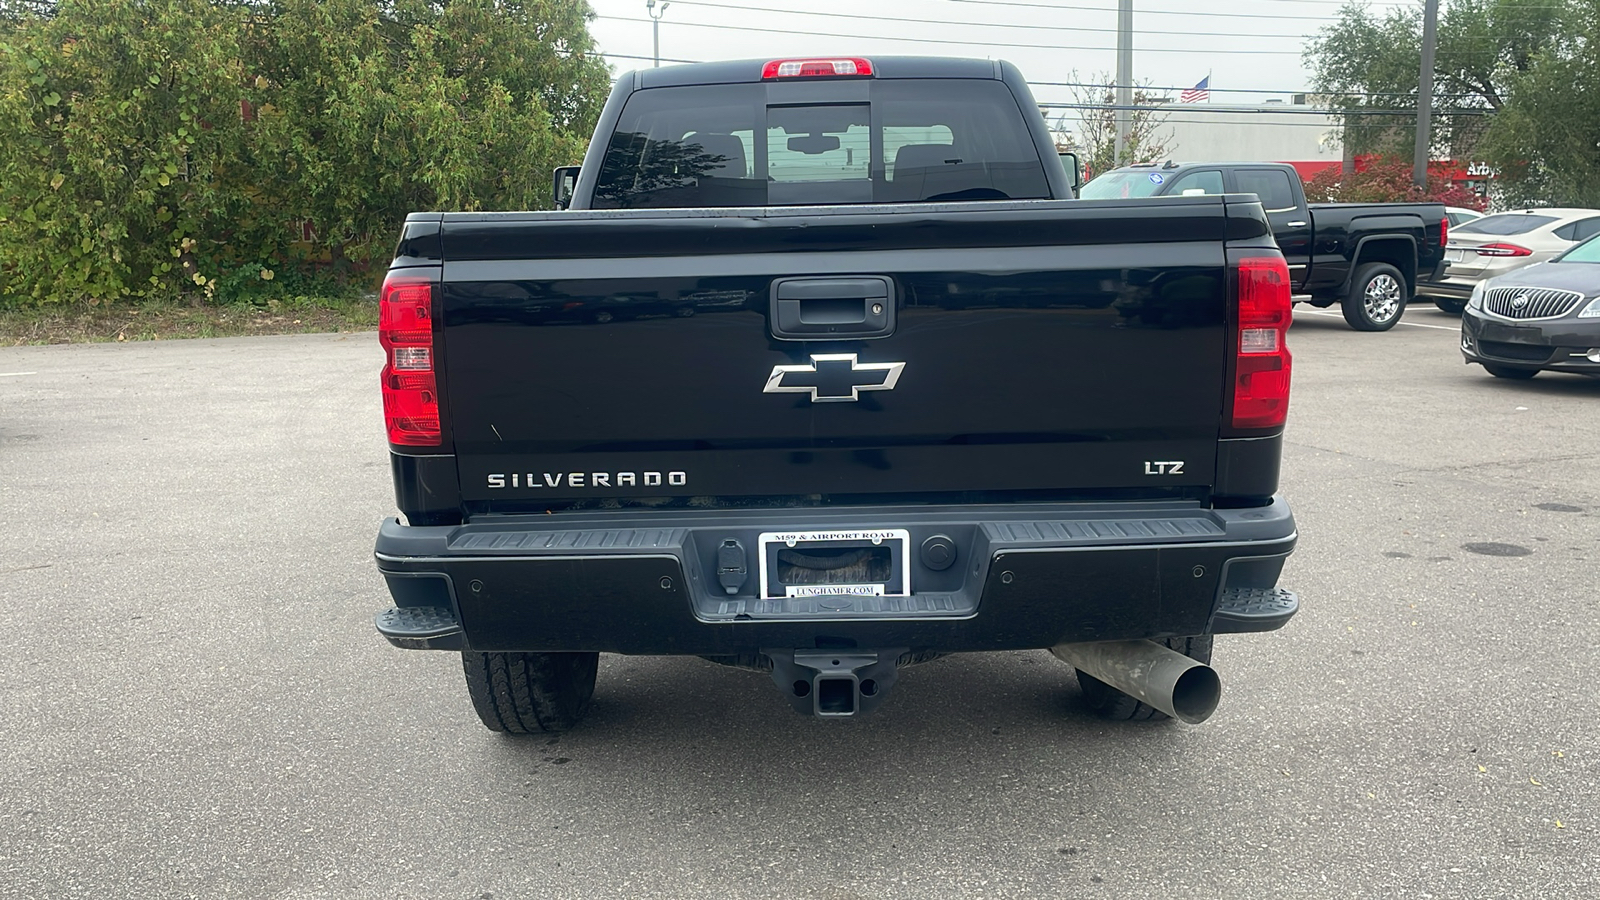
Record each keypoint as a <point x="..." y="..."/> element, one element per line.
<point x="1514" y="374"/>
<point x="1453" y="307"/>
<point x="1107" y="702"/>
<point x="1377" y="298"/>
<point x="530" y="693"/>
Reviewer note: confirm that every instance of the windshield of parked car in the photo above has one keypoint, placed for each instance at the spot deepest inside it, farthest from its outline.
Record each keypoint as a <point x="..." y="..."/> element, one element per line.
<point x="896" y="141"/>
<point x="1504" y="223"/>
<point x="1586" y="252"/>
<point x="1118" y="185"/>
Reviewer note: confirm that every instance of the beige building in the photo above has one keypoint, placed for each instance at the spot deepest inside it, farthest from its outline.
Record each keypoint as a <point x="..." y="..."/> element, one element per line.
<point x="1304" y="136"/>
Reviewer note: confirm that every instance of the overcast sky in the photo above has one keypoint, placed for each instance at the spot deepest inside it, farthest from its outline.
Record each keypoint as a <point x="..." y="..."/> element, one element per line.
<point x="1245" y="45"/>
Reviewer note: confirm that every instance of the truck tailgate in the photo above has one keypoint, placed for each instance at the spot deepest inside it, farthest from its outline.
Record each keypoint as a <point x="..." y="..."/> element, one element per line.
<point x="1041" y="348"/>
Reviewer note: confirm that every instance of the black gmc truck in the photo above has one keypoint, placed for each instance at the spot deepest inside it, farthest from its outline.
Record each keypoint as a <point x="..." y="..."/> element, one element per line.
<point x="1367" y="257"/>
<point x="817" y="374"/>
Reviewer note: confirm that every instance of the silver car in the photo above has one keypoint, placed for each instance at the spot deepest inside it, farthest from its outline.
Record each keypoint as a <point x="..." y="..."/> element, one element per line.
<point x="1497" y="244"/>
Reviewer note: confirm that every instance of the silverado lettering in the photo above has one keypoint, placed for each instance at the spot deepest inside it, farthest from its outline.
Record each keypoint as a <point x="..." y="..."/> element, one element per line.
<point x="586" y="479"/>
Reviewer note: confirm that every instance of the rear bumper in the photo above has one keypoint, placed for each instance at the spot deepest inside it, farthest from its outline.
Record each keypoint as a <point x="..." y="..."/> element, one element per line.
<point x="1454" y="290"/>
<point x="1432" y="276"/>
<point x="1024" y="577"/>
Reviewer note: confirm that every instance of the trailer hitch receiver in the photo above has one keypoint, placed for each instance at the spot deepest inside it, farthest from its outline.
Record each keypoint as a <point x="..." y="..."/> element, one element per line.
<point x="834" y="684"/>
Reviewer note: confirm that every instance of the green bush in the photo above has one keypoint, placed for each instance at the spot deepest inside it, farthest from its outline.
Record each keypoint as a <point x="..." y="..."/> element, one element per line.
<point x="155" y="148"/>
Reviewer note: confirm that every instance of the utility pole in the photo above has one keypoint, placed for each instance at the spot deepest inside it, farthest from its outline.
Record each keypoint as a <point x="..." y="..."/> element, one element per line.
<point x="1419" y="161"/>
<point x="655" y="25"/>
<point x="1124" y="92"/>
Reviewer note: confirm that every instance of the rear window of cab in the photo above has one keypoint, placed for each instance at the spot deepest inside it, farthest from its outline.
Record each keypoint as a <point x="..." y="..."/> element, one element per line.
<point x="911" y="140"/>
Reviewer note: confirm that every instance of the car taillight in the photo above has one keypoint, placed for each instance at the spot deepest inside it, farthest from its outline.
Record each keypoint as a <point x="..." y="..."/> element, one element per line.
<point x="1498" y="249"/>
<point x="1261" y="368"/>
<point x="1444" y="231"/>
<point x="813" y="68"/>
<point x="410" y="388"/>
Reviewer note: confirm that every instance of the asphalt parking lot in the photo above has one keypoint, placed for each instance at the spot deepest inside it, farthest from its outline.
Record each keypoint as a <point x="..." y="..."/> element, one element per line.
<point x="196" y="705"/>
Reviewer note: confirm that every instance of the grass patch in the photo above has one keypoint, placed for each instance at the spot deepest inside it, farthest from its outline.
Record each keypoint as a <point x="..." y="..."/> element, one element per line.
<point x="161" y="321"/>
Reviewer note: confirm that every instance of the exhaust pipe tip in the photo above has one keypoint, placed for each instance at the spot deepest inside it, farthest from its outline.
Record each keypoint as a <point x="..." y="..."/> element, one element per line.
<point x="1196" y="694"/>
<point x="1185" y="689"/>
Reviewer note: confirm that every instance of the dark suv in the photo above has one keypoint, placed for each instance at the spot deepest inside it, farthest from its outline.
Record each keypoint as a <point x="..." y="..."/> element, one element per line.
<point x="1542" y="317"/>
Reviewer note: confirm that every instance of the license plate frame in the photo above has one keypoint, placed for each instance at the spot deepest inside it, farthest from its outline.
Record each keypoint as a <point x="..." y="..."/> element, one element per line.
<point x="1455" y="256"/>
<point x="897" y="540"/>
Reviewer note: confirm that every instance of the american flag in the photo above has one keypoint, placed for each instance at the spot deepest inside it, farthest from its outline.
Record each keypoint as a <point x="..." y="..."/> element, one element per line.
<point x="1201" y="91"/>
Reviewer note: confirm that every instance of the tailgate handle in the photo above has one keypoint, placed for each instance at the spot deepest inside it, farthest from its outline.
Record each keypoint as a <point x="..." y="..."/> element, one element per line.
<point x="822" y="309"/>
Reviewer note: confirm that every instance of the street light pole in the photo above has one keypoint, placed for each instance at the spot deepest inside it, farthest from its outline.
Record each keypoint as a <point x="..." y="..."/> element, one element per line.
<point x="1419" y="160"/>
<point x="1124" y="87"/>
<point x="655" y="25"/>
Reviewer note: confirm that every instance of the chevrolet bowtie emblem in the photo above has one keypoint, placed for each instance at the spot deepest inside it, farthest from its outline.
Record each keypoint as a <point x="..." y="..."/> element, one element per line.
<point x="833" y="378"/>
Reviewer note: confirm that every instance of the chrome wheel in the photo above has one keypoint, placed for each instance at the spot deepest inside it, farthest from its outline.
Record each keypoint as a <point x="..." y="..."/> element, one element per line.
<point x="1382" y="298"/>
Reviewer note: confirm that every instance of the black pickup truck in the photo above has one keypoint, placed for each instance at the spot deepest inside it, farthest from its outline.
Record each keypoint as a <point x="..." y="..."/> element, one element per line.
<point x="816" y="376"/>
<point x="1366" y="257"/>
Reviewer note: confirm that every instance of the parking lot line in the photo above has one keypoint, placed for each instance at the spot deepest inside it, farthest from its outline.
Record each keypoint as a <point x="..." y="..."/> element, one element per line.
<point x="14" y="374"/>
<point x="1308" y="312"/>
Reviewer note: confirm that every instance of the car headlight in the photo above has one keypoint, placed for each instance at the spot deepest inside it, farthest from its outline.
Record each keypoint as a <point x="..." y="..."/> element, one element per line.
<point x="1476" y="301"/>
<point x="1592" y="311"/>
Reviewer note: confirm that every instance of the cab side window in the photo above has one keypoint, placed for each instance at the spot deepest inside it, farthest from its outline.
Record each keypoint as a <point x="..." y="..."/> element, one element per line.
<point x="1209" y="182"/>
<point x="1271" y="185"/>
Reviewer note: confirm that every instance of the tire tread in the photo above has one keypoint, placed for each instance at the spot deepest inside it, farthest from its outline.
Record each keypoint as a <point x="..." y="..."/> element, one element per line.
<point x="530" y="693"/>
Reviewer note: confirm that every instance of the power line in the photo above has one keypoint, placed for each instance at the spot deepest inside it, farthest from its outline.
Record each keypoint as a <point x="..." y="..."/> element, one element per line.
<point x="1146" y="12"/>
<point x="874" y="37"/>
<point x="1142" y="87"/>
<point x="1254" y="110"/>
<point x="836" y="15"/>
<point x="1324" y="126"/>
<point x="1151" y="87"/>
<point x="663" y="59"/>
<point x="1396" y="4"/>
<point x="1185" y="12"/>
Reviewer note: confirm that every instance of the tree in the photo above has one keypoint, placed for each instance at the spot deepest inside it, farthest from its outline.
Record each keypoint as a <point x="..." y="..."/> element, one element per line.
<point x="365" y="110"/>
<point x="1514" y="87"/>
<point x="1368" y="66"/>
<point x="118" y="121"/>
<point x="153" y="147"/>
<point x="1095" y="139"/>
<point x="1387" y="181"/>
<point x="1545" y="140"/>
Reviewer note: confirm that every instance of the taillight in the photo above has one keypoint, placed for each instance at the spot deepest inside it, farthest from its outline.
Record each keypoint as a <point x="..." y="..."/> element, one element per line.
<point x="410" y="388"/>
<point x="1261" y="369"/>
<point x="1444" y="231"/>
<point x="1498" y="249"/>
<point x="813" y="68"/>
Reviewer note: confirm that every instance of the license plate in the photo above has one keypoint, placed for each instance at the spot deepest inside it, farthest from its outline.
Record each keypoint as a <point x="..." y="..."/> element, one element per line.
<point x="832" y="563"/>
<point x="1454" y="255"/>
